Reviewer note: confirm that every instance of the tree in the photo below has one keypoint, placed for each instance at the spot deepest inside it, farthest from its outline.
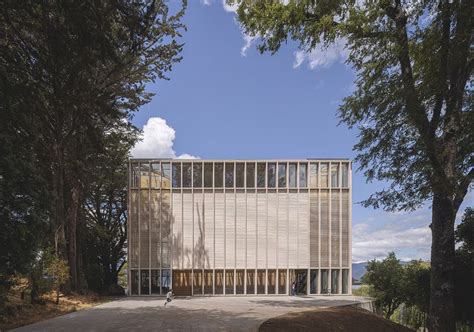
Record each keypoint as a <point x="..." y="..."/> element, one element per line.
<point x="416" y="291"/>
<point x="58" y="269"/>
<point x="78" y="69"/>
<point x="105" y="213"/>
<point x="464" y="273"/>
<point x="385" y="278"/>
<point x="413" y="103"/>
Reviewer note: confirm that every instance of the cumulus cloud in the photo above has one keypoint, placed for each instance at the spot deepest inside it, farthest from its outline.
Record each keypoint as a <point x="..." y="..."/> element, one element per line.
<point x="248" y="41"/>
<point x="322" y="56"/>
<point x="408" y="235"/>
<point x="157" y="141"/>
<point x="229" y="8"/>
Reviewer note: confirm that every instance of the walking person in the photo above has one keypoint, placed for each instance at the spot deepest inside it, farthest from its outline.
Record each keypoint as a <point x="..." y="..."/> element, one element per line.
<point x="169" y="296"/>
<point x="293" y="288"/>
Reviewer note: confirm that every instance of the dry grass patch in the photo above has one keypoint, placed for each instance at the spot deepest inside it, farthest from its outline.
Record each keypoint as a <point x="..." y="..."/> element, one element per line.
<point x="21" y="312"/>
<point x="345" y="318"/>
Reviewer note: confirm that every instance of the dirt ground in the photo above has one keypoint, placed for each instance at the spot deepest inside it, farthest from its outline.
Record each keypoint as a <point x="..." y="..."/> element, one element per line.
<point x="345" y="318"/>
<point x="22" y="312"/>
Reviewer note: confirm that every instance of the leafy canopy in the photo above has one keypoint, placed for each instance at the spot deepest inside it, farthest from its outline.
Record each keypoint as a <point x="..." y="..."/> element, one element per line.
<point x="413" y="101"/>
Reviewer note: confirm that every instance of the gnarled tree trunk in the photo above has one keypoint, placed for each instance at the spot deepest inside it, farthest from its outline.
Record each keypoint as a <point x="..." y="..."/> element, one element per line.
<point x="442" y="314"/>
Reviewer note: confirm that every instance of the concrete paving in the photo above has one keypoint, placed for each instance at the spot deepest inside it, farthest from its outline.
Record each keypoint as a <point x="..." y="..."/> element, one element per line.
<point x="193" y="313"/>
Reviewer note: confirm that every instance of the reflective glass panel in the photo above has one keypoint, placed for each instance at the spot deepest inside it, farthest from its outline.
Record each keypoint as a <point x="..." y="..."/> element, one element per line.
<point x="334" y="175"/>
<point x="166" y="175"/>
<point x="187" y="175"/>
<point x="281" y="175"/>
<point x="271" y="173"/>
<point x="324" y="175"/>
<point x="176" y="175"/>
<point x="303" y="175"/>
<point x="208" y="175"/>
<point x="239" y="175"/>
<point x="197" y="175"/>
<point x="218" y="175"/>
<point x="229" y="175"/>
<point x="292" y="175"/>
<point x="250" y="175"/>
<point x="345" y="175"/>
<point x="261" y="175"/>
<point x="313" y="175"/>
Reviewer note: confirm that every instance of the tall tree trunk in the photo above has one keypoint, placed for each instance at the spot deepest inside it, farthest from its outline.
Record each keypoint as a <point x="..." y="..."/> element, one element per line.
<point x="72" y="235"/>
<point x="442" y="315"/>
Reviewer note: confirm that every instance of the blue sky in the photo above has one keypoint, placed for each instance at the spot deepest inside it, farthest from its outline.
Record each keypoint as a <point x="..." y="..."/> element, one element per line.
<point x="226" y="100"/>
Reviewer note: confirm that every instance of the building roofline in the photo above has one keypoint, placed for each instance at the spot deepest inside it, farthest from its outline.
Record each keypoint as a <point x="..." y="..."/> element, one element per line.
<point x="239" y="160"/>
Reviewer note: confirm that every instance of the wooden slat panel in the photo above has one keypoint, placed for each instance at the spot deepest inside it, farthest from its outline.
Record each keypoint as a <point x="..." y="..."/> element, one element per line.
<point x="230" y="230"/>
<point x="293" y="230"/>
<point x="198" y="230"/>
<point x="282" y="230"/>
<point x="144" y="229"/>
<point x="209" y="230"/>
<point x="166" y="223"/>
<point x="345" y="229"/>
<point x="187" y="230"/>
<point x="251" y="230"/>
<point x="133" y="226"/>
<point x="177" y="219"/>
<point x="324" y="228"/>
<point x="272" y="230"/>
<point x="314" y="229"/>
<point x="240" y="223"/>
<point x="155" y="229"/>
<point x="335" y="236"/>
<point x="219" y="229"/>
<point x="261" y="230"/>
<point x="303" y="230"/>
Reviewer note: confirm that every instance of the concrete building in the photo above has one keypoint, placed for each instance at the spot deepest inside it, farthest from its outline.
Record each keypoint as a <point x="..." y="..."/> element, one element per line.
<point x="225" y="227"/>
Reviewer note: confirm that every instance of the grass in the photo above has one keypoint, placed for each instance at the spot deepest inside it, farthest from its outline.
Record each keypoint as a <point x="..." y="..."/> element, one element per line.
<point x="21" y="312"/>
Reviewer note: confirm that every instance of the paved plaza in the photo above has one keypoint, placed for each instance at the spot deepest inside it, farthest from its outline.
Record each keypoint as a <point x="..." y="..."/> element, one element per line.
<point x="192" y="313"/>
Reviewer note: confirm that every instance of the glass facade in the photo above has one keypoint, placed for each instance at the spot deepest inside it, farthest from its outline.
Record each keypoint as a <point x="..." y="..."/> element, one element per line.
<point x="243" y="227"/>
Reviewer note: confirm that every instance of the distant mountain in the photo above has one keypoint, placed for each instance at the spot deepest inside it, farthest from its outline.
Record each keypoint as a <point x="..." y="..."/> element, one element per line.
<point x="359" y="269"/>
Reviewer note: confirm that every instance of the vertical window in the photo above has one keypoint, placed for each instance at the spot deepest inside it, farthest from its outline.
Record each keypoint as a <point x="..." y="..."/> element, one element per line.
<point x="155" y="175"/>
<point x="165" y="175"/>
<point x="261" y="175"/>
<point x="292" y="175"/>
<point x="187" y="175"/>
<point x="197" y="175"/>
<point x="345" y="175"/>
<point x="135" y="175"/>
<point x="303" y="175"/>
<point x="334" y="175"/>
<point x="176" y="175"/>
<point x="218" y="175"/>
<point x="239" y="175"/>
<point x="250" y="175"/>
<point x="281" y="175"/>
<point x="313" y="175"/>
<point x="324" y="175"/>
<point x="271" y="174"/>
<point x="208" y="175"/>
<point x="229" y="175"/>
<point x="144" y="175"/>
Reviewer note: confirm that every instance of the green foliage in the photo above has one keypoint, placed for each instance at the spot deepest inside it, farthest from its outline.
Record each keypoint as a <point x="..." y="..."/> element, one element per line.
<point x="385" y="279"/>
<point x="363" y="290"/>
<point x="413" y="103"/>
<point x="72" y="74"/>
<point x="464" y="271"/>
<point x="58" y="269"/>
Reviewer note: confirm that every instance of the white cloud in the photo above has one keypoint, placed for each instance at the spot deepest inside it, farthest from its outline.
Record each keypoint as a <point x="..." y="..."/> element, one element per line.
<point x="229" y="8"/>
<point x="206" y="2"/>
<point x="408" y="235"/>
<point x="248" y="43"/>
<point x="157" y="141"/>
<point x="322" y="56"/>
